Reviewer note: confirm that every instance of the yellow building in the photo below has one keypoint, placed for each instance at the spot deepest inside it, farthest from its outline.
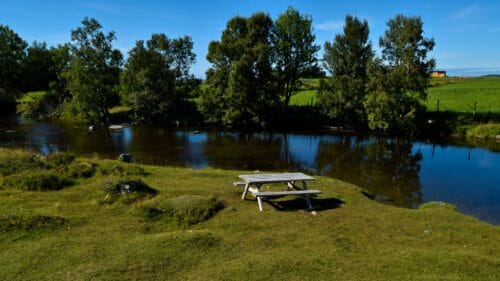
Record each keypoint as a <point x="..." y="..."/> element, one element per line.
<point x="438" y="73"/>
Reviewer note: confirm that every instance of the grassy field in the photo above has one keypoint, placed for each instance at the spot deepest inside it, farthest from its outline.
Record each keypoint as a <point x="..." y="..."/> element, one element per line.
<point x="460" y="95"/>
<point x="87" y="231"/>
<point x="454" y="94"/>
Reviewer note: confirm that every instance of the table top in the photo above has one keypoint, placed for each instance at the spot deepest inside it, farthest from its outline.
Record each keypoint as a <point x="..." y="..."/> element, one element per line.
<point x="279" y="177"/>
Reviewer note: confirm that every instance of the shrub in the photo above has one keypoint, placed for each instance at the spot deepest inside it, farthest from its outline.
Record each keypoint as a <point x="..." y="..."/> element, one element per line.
<point x="121" y="170"/>
<point x="129" y="191"/>
<point x="41" y="180"/>
<point x="13" y="222"/>
<point x="59" y="158"/>
<point x="14" y="161"/>
<point x="184" y="210"/>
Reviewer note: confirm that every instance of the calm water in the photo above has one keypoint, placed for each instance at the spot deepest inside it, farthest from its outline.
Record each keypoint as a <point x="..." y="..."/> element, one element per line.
<point x="401" y="172"/>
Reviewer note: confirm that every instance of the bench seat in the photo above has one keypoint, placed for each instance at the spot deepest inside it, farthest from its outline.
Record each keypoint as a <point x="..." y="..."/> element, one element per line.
<point x="284" y="193"/>
<point x="307" y="194"/>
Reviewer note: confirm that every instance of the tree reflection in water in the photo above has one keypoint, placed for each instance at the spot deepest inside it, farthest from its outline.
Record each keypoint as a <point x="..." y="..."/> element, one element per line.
<point x="387" y="168"/>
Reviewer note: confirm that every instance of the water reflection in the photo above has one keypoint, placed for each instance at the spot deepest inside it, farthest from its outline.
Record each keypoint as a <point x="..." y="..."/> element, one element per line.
<point x="388" y="168"/>
<point x="402" y="172"/>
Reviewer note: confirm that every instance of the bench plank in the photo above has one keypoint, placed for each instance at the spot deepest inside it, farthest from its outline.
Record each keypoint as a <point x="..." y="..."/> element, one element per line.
<point x="275" y="178"/>
<point x="283" y="193"/>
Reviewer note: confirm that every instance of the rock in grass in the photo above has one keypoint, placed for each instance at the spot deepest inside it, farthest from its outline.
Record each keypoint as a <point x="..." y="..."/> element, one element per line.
<point x="128" y="190"/>
<point x="31" y="223"/>
<point x="126" y="157"/>
<point x="184" y="210"/>
<point x="40" y="180"/>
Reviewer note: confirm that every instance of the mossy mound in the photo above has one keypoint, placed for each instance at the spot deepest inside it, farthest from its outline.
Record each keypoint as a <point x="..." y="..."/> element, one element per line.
<point x="438" y="204"/>
<point x="60" y="158"/>
<point x="14" y="161"/>
<point x="128" y="191"/>
<point x="114" y="169"/>
<point x="13" y="222"/>
<point x="183" y="210"/>
<point x="39" y="180"/>
<point x="78" y="169"/>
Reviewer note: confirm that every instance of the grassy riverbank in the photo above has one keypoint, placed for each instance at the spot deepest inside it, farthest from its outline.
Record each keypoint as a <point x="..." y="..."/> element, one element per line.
<point x="196" y="227"/>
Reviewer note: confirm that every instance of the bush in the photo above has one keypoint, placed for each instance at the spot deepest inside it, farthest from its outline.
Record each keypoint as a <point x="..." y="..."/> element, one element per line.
<point x="184" y="210"/>
<point x="59" y="158"/>
<point x="14" y="161"/>
<point x="13" y="222"/>
<point x="121" y="170"/>
<point x="41" y="180"/>
<point x="129" y="191"/>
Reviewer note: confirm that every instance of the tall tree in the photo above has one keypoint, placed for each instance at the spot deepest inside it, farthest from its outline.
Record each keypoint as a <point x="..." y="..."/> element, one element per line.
<point x="294" y="50"/>
<point x="94" y="72"/>
<point x="156" y="79"/>
<point x="12" y="48"/>
<point x="401" y="77"/>
<point x="37" y="68"/>
<point x="341" y="96"/>
<point x="239" y="85"/>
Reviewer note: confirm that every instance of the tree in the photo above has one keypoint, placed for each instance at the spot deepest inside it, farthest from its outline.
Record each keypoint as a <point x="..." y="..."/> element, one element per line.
<point x="37" y="68"/>
<point x="239" y="88"/>
<point x="93" y="75"/>
<point x="400" y="79"/>
<point x="12" y="48"/>
<point x="341" y="96"/>
<point x="294" y="50"/>
<point x="156" y="80"/>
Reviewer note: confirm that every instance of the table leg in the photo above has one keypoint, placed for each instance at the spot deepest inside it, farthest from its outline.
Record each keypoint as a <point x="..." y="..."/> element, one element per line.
<point x="247" y="185"/>
<point x="308" y="199"/>
<point x="259" y="200"/>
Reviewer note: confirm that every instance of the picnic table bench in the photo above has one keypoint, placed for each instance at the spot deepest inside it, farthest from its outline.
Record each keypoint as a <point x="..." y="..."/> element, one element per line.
<point x="253" y="182"/>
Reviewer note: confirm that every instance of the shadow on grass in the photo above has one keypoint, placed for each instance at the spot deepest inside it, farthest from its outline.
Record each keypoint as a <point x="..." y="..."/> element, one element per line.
<point x="298" y="204"/>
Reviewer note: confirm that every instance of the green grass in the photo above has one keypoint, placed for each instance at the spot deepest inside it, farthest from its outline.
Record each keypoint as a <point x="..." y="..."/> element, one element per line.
<point x="80" y="237"/>
<point x="302" y="98"/>
<point x="459" y="95"/>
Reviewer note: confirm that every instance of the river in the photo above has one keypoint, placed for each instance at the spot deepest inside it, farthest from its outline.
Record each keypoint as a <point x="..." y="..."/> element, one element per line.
<point x="398" y="171"/>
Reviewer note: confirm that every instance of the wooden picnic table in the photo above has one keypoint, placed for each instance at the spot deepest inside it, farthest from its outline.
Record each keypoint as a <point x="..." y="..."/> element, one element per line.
<point x="253" y="183"/>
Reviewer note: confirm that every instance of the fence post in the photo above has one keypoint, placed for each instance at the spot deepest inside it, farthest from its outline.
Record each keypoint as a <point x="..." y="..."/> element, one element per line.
<point x="475" y="109"/>
<point x="437" y="106"/>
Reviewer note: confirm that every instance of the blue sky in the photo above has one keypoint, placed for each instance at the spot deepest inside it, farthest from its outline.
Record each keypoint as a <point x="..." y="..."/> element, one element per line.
<point x="467" y="33"/>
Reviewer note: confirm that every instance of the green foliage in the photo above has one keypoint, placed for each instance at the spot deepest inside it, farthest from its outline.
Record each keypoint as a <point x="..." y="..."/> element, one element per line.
<point x="37" y="68"/>
<point x="401" y="77"/>
<point x="37" y="180"/>
<point x="491" y="130"/>
<point x="127" y="190"/>
<point x="29" y="223"/>
<point x="115" y="169"/>
<point x="93" y="75"/>
<point x="294" y="50"/>
<point x="240" y="86"/>
<point x="184" y="210"/>
<point x="14" y="161"/>
<point x="341" y="96"/>
<point x="11" y="56"/>
<point x="156" y="80"/>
